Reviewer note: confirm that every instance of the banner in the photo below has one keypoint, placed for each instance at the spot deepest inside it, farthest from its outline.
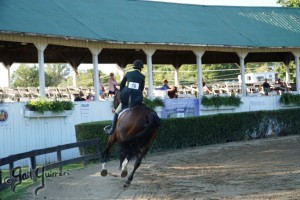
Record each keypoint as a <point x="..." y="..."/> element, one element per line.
<point x="180" y="107"/>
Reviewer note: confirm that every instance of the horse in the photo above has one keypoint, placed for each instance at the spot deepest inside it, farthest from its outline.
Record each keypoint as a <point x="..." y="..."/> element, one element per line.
<point x="136" y="129"/>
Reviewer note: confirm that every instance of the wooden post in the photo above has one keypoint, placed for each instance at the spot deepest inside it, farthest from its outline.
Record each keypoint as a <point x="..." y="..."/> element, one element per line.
<point x="58" y="154"/>
<point x="33" y="167"/>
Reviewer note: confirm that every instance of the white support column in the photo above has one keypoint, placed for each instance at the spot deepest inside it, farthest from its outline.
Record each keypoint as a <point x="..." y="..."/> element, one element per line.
<point x="297" y="55"/>
<point x="149" y="53"/>
<point x="199" y="54"/>
<point x="242" y="55"/>
<point x="41" y="48"/>
<point x="287" y="73"/>
<point x="95" y="52"/>
<point x="8" y="76"/>
<point x="176" y="76"/>
<point x="74" y="76"/>
<point x="121" y="71"/>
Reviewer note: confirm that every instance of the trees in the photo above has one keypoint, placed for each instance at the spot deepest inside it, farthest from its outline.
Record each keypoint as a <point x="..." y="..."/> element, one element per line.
<point x="289" y="3"/>
<point x="28" y="76"/>
<point x="56" y="74"/>
<point x="281" y="70"/>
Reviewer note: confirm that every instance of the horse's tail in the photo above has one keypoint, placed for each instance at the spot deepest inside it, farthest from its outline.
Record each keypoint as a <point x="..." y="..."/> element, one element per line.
<point x="152" y="123"/>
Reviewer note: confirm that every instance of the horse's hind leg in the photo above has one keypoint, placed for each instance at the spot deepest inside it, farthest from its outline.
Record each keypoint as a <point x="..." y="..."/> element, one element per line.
<point x="124" y="165"/>
<point x="137" y="163"/>
<point x="136" y="166"/>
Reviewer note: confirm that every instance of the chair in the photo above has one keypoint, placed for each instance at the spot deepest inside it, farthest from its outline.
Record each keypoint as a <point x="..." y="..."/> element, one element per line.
<point x="12" y="94"/>
<point x="52" y="92"/>
<point x="63" y="92"/>
<point x="23" y="92"/>
<point x="33" y="92"/>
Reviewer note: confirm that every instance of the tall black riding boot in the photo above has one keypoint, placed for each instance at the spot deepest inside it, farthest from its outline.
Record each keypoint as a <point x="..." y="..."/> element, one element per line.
<point x="113" y="126"/>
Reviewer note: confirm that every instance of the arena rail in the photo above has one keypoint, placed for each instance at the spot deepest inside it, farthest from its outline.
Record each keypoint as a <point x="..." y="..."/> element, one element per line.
<point x="58" y="164"/>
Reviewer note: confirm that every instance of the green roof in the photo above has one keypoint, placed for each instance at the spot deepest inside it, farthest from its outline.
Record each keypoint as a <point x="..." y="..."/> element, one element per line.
<point x="133" y="21"/>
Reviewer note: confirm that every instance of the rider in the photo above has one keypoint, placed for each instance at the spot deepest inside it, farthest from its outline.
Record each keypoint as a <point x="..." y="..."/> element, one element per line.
<point x="130" y="93"/>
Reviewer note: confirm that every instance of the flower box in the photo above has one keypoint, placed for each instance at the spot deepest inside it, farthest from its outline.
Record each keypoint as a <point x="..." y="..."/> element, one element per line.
<point x="34" y="114"/>
<point x="218" y="108"/>
<point x="291" y="105"/>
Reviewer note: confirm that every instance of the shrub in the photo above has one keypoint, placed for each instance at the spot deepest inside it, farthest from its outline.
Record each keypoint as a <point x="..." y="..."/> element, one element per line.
<point x="218" y="101"/>
<point x="156" y="102"/>
<point x="287" y="98"/>
<point x="42" y="105"/>
<point x="178" y="133"/>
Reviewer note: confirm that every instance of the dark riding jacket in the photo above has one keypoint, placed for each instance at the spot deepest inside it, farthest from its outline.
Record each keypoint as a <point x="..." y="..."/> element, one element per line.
<point x="132" y="85"/>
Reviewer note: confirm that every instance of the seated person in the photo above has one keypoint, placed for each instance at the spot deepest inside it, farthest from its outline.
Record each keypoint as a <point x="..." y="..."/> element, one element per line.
<point x="206" y="90"/>
<point x="79" y="97"/>
<point x="88" y="97"/>
<point x="280" y="86"/>
<point x="172" y="92"/>
<point x="266" y="87"/>
<point x="165" y="85"/>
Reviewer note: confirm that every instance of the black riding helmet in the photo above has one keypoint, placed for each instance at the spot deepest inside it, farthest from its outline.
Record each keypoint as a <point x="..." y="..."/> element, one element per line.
<point x="138" y="64"/>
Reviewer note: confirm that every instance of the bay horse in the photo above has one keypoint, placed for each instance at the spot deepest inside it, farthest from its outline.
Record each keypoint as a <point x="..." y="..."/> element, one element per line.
<point x="136" y="129"/>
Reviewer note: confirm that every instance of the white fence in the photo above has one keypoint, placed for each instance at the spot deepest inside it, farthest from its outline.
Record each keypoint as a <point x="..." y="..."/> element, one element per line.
<point x="19" y="134"/>
<point x="249" y="104"/>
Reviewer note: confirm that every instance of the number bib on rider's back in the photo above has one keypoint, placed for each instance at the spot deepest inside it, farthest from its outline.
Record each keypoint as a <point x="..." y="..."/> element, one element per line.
<point x="133" y="85"/>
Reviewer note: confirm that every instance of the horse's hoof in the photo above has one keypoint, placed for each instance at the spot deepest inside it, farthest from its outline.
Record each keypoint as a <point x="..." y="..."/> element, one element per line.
<point x="124" y="173"/>
<point x="104" y="172"/>
<point x="127" y="184"/>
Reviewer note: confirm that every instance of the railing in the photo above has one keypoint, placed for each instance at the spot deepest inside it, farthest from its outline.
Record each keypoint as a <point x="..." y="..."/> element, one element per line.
<point x="59" y="164"/>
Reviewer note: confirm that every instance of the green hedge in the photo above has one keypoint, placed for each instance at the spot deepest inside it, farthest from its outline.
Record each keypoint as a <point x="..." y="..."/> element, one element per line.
<point x="94" y="130"/>
<point x="204" y="130"/>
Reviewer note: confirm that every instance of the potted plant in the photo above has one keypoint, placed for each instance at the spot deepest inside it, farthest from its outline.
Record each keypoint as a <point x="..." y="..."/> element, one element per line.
<point x="45" y="108"/>
<point x="157" y="104"/>
<point x="154" y="103"/>
<point x="219" y="102"/>
<point x="289" y="99"/>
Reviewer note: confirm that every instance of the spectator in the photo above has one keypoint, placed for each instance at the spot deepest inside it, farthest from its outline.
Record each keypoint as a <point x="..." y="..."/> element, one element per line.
<point x="279" y="86"/>
<point x="79" y="97"/>
<point x="165" y="85"/>
<point x="266" y="87"/>
<point x="88" y="97"/>
<point x="112" y="83"/>
<point x="101" y="90"/>
<point x="172" y="92"/>
<point x="206" y="90"/>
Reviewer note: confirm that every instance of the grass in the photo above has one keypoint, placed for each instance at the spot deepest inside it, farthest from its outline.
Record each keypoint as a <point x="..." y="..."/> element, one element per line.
<point x="21" y="189"/>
